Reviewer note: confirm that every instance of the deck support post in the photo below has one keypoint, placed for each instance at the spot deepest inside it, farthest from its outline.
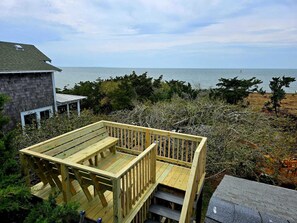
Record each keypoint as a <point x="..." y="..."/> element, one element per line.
<point x="65" y="183"/>
<point x="25" y="170"/>
<point x="117" y="200"/>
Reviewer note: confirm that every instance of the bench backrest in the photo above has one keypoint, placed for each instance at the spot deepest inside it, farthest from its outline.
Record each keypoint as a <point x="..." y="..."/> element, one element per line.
<point x="72" y="142"/>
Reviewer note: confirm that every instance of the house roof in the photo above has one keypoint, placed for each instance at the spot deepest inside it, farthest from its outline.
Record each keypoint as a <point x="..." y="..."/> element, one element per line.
<point x="240" y="200"/>
<point x="68" y="98"/>
<point x="19" y="57"/>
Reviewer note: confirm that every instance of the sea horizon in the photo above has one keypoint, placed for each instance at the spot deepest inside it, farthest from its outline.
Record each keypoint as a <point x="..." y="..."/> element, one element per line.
<point x="203" y="78"/>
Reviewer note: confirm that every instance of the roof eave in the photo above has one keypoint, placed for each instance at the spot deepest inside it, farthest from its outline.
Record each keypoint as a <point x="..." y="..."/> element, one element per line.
<point x="27" y="71"/>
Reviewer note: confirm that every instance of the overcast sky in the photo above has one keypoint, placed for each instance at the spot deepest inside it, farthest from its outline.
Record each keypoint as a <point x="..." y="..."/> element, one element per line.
<point x="156" y="33"/>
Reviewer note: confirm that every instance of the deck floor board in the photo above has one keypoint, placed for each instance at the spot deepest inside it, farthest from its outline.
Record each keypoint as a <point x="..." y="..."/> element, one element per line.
<point x="167" y="174"/>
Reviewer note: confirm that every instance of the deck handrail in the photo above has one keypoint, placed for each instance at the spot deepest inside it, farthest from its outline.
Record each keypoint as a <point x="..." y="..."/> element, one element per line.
<point x="195" y="183"/>
<point x="134" y="180"/>
<point x="172" y="147"/>
<point x="136" y="160"/>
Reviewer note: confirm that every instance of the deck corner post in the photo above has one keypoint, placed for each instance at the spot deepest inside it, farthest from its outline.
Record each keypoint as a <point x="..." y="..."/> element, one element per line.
<point x="65" y="183"/>
<point x="25" y="170"/>
<point x="117" y="200"/>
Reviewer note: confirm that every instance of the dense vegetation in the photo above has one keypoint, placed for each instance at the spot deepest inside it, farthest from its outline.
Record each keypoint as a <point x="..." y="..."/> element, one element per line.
<point x="16" y="203"/>
<point x="105" y="96"/>
<point x="241" y="142"/>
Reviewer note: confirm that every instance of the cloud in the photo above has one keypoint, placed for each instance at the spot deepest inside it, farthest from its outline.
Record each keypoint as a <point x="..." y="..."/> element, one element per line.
<point x="94" y="26"/>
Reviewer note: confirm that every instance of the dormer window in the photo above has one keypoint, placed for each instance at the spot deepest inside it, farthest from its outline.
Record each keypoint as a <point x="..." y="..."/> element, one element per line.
<point x="19" y="47"/>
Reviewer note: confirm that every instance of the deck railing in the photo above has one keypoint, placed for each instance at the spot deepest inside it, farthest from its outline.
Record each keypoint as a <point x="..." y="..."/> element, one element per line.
<point x="132" y="183"/>
<point x="176" y="148"/>
<point x="195" y="183"/>
<point x="136" y="178"/>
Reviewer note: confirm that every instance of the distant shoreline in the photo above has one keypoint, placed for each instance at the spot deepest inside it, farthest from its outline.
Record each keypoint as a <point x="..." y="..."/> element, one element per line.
<point x="205" y="78"/>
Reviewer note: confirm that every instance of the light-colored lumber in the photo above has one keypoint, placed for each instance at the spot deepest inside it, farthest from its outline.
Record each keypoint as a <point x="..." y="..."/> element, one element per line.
<point x="65" y="183"/>
<point x="92" y="150"/>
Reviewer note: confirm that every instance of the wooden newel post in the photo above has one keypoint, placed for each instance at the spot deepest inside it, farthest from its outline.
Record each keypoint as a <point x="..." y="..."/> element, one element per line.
<point x="153" y="164"/>
<point x="65" y="183"/>
<point x="117" y="200"/>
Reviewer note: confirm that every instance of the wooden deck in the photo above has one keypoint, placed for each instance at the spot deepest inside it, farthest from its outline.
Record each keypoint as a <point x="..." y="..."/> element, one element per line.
<point x="166" y="173"/>
<point x="113" y="169"/>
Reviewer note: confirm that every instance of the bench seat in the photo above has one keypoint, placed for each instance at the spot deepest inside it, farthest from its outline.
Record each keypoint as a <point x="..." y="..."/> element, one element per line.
<point x="94" y="150"/>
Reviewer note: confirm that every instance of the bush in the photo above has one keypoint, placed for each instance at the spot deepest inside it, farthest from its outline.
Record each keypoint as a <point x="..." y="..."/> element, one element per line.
<point x="238" y="138"/>
<point x="234" y="90"/>
<point x="48" y="211"/>
<point x="278" y="93"/>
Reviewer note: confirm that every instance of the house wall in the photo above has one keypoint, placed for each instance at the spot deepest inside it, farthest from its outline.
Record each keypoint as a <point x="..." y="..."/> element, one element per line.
<point x="27" y="92"/>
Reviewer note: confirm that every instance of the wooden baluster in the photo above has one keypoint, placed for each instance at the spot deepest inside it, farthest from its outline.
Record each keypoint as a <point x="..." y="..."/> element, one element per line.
<point x="138" y="141"/>
<point x="183" y="149"/>
<point x="187" y="150"/>
<point x="169" y="149"/>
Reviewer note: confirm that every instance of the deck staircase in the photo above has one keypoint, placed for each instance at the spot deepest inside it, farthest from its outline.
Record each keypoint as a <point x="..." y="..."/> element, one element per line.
<point x="166" y="205"/>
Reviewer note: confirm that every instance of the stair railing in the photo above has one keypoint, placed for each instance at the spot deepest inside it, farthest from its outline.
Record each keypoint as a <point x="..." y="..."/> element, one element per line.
<point x="133" y="181"/>
<point x="195" y="183"/>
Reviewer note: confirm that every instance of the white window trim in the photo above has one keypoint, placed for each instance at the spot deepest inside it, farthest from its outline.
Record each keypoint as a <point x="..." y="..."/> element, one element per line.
<point x="37" y="113"/>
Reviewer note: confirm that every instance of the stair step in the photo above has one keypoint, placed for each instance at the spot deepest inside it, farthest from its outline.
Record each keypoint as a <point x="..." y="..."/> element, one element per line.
<point x="165" y="212"/>
<point x="169" y="197"/>
<point x="151" y="221"/>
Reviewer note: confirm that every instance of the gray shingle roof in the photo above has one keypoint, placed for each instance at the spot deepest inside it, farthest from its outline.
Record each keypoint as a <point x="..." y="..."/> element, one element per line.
<point x="26" y="58"/>
<point x="240" y="200"/>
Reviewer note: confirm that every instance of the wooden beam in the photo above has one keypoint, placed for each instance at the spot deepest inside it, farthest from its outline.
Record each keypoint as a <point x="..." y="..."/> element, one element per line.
<point x="98" y="189"/>
<point x="82" y="185"/>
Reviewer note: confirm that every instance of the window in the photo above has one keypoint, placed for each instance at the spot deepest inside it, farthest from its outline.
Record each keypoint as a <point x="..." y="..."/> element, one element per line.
<point x="35" y="116"/>
<point x="30" y="119"/>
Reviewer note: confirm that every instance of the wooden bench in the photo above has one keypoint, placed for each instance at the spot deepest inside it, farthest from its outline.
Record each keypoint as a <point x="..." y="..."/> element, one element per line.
<point x="94" y="150"/>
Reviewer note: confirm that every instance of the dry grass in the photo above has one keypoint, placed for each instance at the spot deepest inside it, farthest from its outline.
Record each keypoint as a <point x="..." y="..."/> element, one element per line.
<point x="289" y="104"/>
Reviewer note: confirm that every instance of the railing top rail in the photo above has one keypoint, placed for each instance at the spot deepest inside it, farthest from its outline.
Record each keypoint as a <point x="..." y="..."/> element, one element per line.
<point x="136" y="160"/>
<point x="70" y="164"/>
<point x="156" y="131"/>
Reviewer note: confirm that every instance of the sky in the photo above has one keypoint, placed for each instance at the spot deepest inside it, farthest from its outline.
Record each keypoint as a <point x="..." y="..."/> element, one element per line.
<point x="156" y="33"/>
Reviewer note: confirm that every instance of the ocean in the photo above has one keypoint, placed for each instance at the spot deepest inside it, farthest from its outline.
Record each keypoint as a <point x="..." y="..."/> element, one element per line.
<point x="202" y="78"/>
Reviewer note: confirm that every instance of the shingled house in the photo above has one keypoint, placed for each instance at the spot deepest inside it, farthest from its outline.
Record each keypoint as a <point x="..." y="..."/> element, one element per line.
<point x="27" y="77"/>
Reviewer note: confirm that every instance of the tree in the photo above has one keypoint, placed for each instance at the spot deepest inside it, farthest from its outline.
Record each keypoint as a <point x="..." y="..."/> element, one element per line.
<point x="278" y="93"/>
<point x="234" y="90"/>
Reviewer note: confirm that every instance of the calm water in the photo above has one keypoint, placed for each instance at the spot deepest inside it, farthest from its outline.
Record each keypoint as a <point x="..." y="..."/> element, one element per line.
<point x="205" y="78"/>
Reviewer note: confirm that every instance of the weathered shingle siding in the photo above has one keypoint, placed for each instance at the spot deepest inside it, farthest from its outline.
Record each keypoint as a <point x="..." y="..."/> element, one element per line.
<point x="27" y="92"/>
